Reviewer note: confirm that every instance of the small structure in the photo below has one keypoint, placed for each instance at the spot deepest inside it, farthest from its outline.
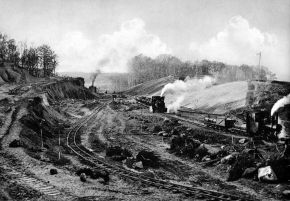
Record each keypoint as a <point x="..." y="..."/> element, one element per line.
<point x="93" y="89"/>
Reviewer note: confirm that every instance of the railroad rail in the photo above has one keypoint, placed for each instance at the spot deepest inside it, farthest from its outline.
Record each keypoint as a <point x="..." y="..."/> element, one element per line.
<point x="235" y="132"/>
<point x="95" y="161"/>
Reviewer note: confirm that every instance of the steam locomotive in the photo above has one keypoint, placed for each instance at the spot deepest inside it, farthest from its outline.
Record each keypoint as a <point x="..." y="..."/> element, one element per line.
<point x="156" y="102"/>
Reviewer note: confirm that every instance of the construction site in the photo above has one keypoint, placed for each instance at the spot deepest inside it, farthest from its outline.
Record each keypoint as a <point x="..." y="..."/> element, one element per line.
<point x="63" y="141"/>
<point x="133" y="100"/>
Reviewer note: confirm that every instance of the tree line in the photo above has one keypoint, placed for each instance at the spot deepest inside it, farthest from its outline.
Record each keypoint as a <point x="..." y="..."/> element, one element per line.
<point x="143" y="68"/>
<point x="40" y="61"/>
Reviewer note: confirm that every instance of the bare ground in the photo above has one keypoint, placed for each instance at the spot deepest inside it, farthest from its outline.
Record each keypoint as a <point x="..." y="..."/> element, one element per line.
<point x="112" y="126"/>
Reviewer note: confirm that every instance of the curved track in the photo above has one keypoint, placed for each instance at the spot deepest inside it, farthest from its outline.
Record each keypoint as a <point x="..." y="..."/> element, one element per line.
<point x="194" y="192"/>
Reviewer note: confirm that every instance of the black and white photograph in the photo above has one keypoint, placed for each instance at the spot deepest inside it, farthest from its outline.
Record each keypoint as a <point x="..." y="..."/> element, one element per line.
<point x="144" y="100"/>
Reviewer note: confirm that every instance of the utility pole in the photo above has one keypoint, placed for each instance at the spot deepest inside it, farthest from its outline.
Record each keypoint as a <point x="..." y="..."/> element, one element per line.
<point x="58" y="144"/>
<point x="41" y="138"/>
<point x="142" y="121"/>
<point x="59" y="124"/>
<point x="259" y="67"/>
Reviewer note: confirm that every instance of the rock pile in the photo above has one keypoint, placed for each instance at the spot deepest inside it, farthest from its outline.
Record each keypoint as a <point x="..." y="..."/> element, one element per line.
<point x="83" y="173"/>
<point x="118" y="153"/>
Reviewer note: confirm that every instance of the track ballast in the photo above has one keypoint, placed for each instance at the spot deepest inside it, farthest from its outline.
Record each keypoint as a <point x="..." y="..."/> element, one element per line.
<point x="95" y="161"/>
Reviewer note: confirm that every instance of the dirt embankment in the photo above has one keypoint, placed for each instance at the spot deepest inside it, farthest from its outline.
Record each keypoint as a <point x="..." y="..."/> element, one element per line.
<point x="150" y="87"/>
<point x="41" y="118"/>
<point x="72" y="88"/>
<point x="45" y="119"/>
<point x="13" y="74"/>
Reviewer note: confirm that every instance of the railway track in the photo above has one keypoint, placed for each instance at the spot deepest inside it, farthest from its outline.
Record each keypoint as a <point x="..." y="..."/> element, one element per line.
<point x="201" y="124"/>
<point x="95" y="161"/>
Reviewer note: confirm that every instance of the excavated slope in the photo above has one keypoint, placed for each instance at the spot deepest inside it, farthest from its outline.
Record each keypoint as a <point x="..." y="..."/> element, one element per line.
<point x="67" y="88"/>
<point x="150" y="87"/>
<point x="218" y="98"/>
<point x="12" y="74"/>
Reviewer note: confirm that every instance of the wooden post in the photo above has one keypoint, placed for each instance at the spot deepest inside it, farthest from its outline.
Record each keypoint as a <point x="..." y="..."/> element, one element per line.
<point x="59" y="144"/>
<point x="59" y="149"/>
<point x="141" y="121"/>
<point x="41" y="137"/>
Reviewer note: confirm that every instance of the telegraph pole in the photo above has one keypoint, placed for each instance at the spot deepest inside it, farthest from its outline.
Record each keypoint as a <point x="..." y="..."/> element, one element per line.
<point x="42" y="120"/>
<point x="260" y="55"/>
<point x="59" y="124"/>
<point x="58" y="144"/>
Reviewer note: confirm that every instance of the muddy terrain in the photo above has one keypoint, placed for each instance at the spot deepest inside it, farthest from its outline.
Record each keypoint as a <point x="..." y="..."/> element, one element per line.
<point x="59" y="141"/>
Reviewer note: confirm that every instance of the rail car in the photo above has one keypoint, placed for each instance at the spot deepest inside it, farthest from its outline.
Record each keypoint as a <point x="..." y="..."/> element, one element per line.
<point x="224" y="123"/>
<point x="145" y="100"/>
<point x="240" y="130"/>
<point x="219" y="122"/>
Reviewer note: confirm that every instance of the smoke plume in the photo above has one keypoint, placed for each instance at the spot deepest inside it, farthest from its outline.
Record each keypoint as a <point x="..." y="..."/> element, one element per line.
<point x="180" y="89"/>
<point x="280" y="103"/>
<point x="94" y="76"/>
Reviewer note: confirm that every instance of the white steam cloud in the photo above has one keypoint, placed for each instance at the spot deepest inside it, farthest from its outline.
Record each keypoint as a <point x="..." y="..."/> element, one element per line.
<point x="280" y="103"/>
<point x="173" y="107"/>
<point x="180" y="86"/>
<point x="110" y="52"/>
<point x="180" y="89"/>
<point x="238" y="43"/>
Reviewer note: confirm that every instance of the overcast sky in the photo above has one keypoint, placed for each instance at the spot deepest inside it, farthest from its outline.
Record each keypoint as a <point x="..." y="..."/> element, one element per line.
<point x="90" y="34"/>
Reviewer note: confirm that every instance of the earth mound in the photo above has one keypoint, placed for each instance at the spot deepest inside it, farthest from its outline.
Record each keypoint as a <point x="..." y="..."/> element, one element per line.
<point x="13" y="74"/>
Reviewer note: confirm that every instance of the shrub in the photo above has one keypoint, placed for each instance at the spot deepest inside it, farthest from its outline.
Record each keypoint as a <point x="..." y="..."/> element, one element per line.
<point x="148" y="158"/>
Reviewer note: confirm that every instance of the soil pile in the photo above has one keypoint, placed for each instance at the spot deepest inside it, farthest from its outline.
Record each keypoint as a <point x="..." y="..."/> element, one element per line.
<point x="118" y="153"/>
<point x="40" y="119"/>
<point x="13" y="74"/>
<point x="67" y="88"/>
